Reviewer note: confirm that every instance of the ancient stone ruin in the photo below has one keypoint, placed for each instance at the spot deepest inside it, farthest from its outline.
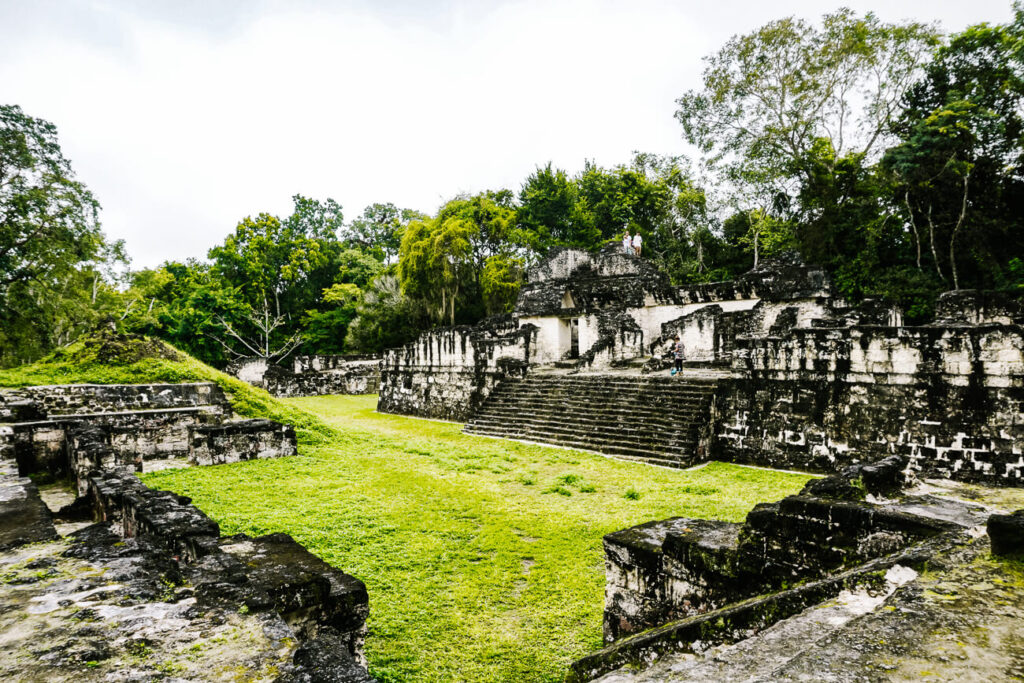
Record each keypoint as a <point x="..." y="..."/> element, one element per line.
<point x="141" y="426"/>
<point x="795" y="591"/>
<point x="140" y="583"/>
<point x="311" y="375"/>
<point x="780" y="372"/>
<point x="853" y="577"/>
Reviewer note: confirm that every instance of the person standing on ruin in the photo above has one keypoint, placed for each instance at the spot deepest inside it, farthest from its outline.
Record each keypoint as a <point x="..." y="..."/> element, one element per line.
<point x="637" y="243"/>
<point x="627" y="244"/>
<point x="677" y="355"/>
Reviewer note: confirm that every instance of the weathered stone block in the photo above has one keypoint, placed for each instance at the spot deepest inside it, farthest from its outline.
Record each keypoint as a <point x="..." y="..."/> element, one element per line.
<point x="306" y="591"/>
<point x="73" y="399"/>
<point x="328" y="660"/>
<point x="169" y="519"/>
<point x="240" y="440"/>
<point x="1007" y="534"/>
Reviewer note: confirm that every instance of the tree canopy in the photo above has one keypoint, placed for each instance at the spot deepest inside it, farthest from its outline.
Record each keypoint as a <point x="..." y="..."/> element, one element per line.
<point x="886" y="152"/>
<point x="55" y="262"/>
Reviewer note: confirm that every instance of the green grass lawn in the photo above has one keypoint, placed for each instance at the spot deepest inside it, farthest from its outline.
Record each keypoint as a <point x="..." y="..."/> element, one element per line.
<point x="482" y="557"/>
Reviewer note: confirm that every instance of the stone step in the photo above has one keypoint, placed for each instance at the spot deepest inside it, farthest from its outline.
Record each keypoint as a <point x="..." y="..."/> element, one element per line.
<point x="616" y="417"/>
<point x="644" y="419"/>
<point x="657" y="433"/>
<point x="623" y="377"/>
<point x="581" y="394"/>
<point x="618" y="450"/>
<point x="633" y="394"/>
<point x="677" y="442"/>
<point x="622" y="387"/>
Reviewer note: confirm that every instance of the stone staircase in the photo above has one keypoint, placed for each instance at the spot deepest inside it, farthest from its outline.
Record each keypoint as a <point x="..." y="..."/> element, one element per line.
<point x="651" y="419"/>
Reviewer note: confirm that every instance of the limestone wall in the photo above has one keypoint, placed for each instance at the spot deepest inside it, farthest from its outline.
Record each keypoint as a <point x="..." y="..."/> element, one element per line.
<point x="447" y="373"/>
<point x="948" y="397"/>
<point x="311" y="375"/>
<point x="164" y="427"/>
<point x="241" y="440"/>
<point x="249" y="370"/>
<point x="74" y="399"/>
<point x="320" y="375"/>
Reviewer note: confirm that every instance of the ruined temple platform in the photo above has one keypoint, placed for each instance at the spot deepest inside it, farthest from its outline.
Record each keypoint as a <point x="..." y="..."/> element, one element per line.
<point x="655" y="418"/>
<point x="939" y="609"/>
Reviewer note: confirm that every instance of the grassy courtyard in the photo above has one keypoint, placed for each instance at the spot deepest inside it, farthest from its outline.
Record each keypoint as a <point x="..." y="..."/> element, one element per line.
<point x="482" y="557"/>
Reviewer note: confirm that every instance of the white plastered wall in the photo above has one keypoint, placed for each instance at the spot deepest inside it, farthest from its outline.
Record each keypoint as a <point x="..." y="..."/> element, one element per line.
<point x="806" y="311"/>
<point x="553" y="333"/>
<point x="253" y="370"/>
<point x="552" y="338"/>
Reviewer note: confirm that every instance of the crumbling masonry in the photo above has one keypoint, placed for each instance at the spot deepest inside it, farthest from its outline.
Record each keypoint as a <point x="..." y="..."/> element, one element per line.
<point x="147" y="576"/>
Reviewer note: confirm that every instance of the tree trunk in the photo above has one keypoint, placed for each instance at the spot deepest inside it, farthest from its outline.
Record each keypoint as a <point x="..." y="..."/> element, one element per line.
<point x="956" y="229"/>
<point x="931" y="238"/>
<point x="913" y="225"/>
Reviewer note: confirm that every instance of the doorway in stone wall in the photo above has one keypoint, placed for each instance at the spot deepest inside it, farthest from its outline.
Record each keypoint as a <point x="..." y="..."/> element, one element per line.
<point x="568" y="338"/>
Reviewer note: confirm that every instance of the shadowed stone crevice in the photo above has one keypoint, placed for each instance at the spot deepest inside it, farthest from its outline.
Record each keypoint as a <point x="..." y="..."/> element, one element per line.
<point x="24" y="518"/>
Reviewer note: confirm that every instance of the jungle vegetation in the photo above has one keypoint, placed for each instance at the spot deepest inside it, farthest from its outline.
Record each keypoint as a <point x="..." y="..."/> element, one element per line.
<point x="889" y="153"/>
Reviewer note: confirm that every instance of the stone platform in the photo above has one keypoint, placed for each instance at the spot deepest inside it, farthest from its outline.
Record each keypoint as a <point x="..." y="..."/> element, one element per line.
<point x="658" y="419"/>
<point x="864" y="573"/>
<point x="957" y="621"/>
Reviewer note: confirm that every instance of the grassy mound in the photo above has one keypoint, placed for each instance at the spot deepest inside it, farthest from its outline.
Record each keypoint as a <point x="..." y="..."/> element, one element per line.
<point x="108" y="358"/>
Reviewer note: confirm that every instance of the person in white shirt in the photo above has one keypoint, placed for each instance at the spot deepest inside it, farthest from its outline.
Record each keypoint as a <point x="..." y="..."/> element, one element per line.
<point x="627" y="244"/>
<point x="637" y="243"/>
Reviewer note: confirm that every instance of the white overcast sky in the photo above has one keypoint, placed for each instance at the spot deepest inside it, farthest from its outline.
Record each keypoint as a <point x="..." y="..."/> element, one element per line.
<point x="184" y="116"/>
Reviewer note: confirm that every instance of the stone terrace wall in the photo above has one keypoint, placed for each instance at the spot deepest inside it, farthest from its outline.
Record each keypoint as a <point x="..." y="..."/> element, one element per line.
<point x="73" y="399"/>
<point x="312" y="375"/>
<point x="320" y="375"/>
<point x="447" y="373"/>
<point x="949" y="397"/>
<point x="266" y="573"/>
<point x="679" y="567"/>
<point x="38" y="426"/>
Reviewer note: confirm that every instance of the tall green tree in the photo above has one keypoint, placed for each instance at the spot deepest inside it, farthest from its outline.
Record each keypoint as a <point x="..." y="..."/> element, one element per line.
<point x="280" y="270"/>
<point x="48" y="220"/>
<point x="379" y="230"/>
<point x="386" y="318"/>
<point x="55" y="262"/>
<point x="653" y="195"/>
<point x="786" y="108"/>
<point x="442" y="258"/>
<point x="325" y="327"/>
<point x="551" y="212"/>
<point x="959" y="165"/>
